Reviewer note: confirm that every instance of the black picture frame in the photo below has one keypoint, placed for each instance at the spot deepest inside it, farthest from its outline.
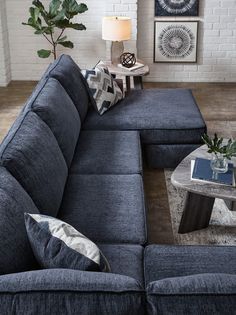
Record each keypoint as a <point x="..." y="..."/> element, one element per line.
<point x="192" y="58"/>
<point x="165" y="8"/>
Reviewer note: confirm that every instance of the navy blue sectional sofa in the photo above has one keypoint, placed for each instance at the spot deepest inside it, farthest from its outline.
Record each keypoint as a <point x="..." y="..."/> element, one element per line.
<point x="62" y="159"/>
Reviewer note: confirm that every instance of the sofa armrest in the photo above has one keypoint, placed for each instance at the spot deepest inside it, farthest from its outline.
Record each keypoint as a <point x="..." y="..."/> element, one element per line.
<point x="197" y="294"/>
<point x="61" y="291"/>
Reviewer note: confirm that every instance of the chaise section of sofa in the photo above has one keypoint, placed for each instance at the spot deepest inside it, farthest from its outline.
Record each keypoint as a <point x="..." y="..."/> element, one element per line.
<point x="168" y="120"/>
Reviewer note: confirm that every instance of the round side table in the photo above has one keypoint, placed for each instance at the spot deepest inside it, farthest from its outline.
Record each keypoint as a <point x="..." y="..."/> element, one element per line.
<point x="136" y="74"/>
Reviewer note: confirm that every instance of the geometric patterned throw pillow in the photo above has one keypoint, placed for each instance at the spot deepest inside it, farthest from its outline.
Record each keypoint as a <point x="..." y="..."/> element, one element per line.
<point x="103" y="87"/>
<point x="57" y="244"/>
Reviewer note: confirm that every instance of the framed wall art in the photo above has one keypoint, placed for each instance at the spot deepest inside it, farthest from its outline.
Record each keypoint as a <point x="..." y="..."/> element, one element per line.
<point x="176" y="41"/>
<point x="176" y="7"/>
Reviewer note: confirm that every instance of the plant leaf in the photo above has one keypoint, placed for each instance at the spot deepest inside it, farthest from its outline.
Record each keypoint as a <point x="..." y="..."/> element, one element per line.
<point x="44" y="53"/>
<point x="77" y="26"/>
<point x="82" y="8"/>
<point x="59" y="17"/>
<point x="67" y="44"/>
<point x="54" y="7"/>
<point x="61" y="39"/>
<point x="38" y="5"/>
<point x="72" y="8"/>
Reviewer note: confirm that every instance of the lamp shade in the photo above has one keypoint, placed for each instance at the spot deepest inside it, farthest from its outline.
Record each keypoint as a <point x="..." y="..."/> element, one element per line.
<point x="116" y="28"/>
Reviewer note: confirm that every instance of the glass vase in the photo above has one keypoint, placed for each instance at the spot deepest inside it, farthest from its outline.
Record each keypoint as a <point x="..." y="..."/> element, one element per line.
<point x="219" y="163"/>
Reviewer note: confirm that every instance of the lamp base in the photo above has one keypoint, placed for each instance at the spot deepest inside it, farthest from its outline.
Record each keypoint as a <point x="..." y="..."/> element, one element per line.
<point x="117" y="49"/>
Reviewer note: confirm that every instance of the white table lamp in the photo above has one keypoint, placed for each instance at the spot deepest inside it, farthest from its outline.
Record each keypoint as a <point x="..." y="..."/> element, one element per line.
<point x="116" y="29"/>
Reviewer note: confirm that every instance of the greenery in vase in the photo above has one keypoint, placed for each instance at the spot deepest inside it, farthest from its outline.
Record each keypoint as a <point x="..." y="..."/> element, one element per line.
<point x="217" y="147"/>
<point x="57" y="17"/>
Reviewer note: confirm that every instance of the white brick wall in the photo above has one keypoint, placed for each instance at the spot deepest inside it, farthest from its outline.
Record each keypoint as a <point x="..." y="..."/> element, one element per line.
<point x="217" y="44"/>
<point x="5" y="72"/>
<point x="217" y="40"/>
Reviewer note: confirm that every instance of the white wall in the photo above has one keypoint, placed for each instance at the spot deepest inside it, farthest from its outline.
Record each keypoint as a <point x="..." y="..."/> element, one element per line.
<point x="217" y="44"/>
<point x="5" y="71"/>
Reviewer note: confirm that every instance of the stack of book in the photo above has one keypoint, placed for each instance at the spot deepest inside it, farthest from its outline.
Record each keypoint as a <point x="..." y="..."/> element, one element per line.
<point x="201" y="171"/>
<point x="137" y="66"/>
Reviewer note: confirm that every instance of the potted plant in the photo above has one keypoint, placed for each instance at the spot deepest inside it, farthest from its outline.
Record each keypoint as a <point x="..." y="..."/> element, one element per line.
<point x="221" y="152"/>
<point x="52" y="23"/>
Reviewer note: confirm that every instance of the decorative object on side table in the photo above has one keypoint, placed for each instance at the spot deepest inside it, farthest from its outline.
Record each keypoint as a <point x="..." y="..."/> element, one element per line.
<point x="116" y="29"/>
<point x="58" y="16"/>
<point x="221" y="152"/>
<point x="128" y="60"/>
<point x="176" y="8"/>
<point x="176" y="41"/>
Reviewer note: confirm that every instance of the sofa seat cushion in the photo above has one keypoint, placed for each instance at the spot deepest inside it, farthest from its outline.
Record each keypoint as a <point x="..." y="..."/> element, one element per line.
<point x="30" y="152"/>
<point x="15" y="250"/>
<point x="56" y="109"/>
<point x="162" y="116"/>
<point x="67" y="72"/>
<point x="106" y="208"/>
<point x="177" y="261"/>
<point x="62" y="291"/>
<point x="107" y="152"/>
<point x="125" y="259"/>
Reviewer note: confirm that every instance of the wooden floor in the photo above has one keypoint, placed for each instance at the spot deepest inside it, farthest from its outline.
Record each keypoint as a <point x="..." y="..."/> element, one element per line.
<point x="217" y="103"/>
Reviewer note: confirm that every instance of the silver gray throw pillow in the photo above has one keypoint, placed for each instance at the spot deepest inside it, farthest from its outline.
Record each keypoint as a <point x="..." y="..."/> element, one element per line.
<point x="57" y="244"/>
<point x="104" y="89"/>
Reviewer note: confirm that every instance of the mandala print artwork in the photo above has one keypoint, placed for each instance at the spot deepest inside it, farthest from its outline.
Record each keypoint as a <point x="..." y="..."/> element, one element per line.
<point x="175" y="41"/>
<point x="176" y="7"/>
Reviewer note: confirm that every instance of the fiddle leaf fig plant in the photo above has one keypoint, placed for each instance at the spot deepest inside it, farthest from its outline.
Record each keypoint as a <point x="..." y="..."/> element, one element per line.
<point x="216" y="146"/>
<point x="52" y="23"/>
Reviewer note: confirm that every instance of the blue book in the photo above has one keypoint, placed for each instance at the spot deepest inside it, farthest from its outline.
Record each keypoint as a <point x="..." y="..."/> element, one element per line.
<point x="202" y="171"/>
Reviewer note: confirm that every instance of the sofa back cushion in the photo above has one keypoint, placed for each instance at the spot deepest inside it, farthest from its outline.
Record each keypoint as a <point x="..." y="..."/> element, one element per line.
<point x="66" y="71"/>
<point x="15" y="250"/>
<point x="30" y="152"/>
<point x="56" y="109"/>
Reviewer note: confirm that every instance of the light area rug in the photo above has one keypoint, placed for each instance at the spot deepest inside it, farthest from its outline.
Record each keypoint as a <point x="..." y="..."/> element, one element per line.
<point x="222" y="228"/>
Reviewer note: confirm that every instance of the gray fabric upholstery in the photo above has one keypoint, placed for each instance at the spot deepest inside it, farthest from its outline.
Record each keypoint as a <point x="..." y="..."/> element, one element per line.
<point x="15" y="251"/>
<point x="60" y="291"/>
<point x="167" y="155"/>
<point x="174" y="261"/>
<point x="165" y="116"/>
<point x="31" y="154"/>
<point x="107" y="152"/>
<point x="67" y="72"/>
<point x="198" y="294"/>
<point x="57" y="110"/>
<point x="125" y="259"/>
<point x="106" y="208"/>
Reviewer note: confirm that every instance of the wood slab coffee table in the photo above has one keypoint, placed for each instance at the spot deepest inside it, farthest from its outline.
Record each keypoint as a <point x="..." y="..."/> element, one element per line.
<point x="200" y="196"/>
